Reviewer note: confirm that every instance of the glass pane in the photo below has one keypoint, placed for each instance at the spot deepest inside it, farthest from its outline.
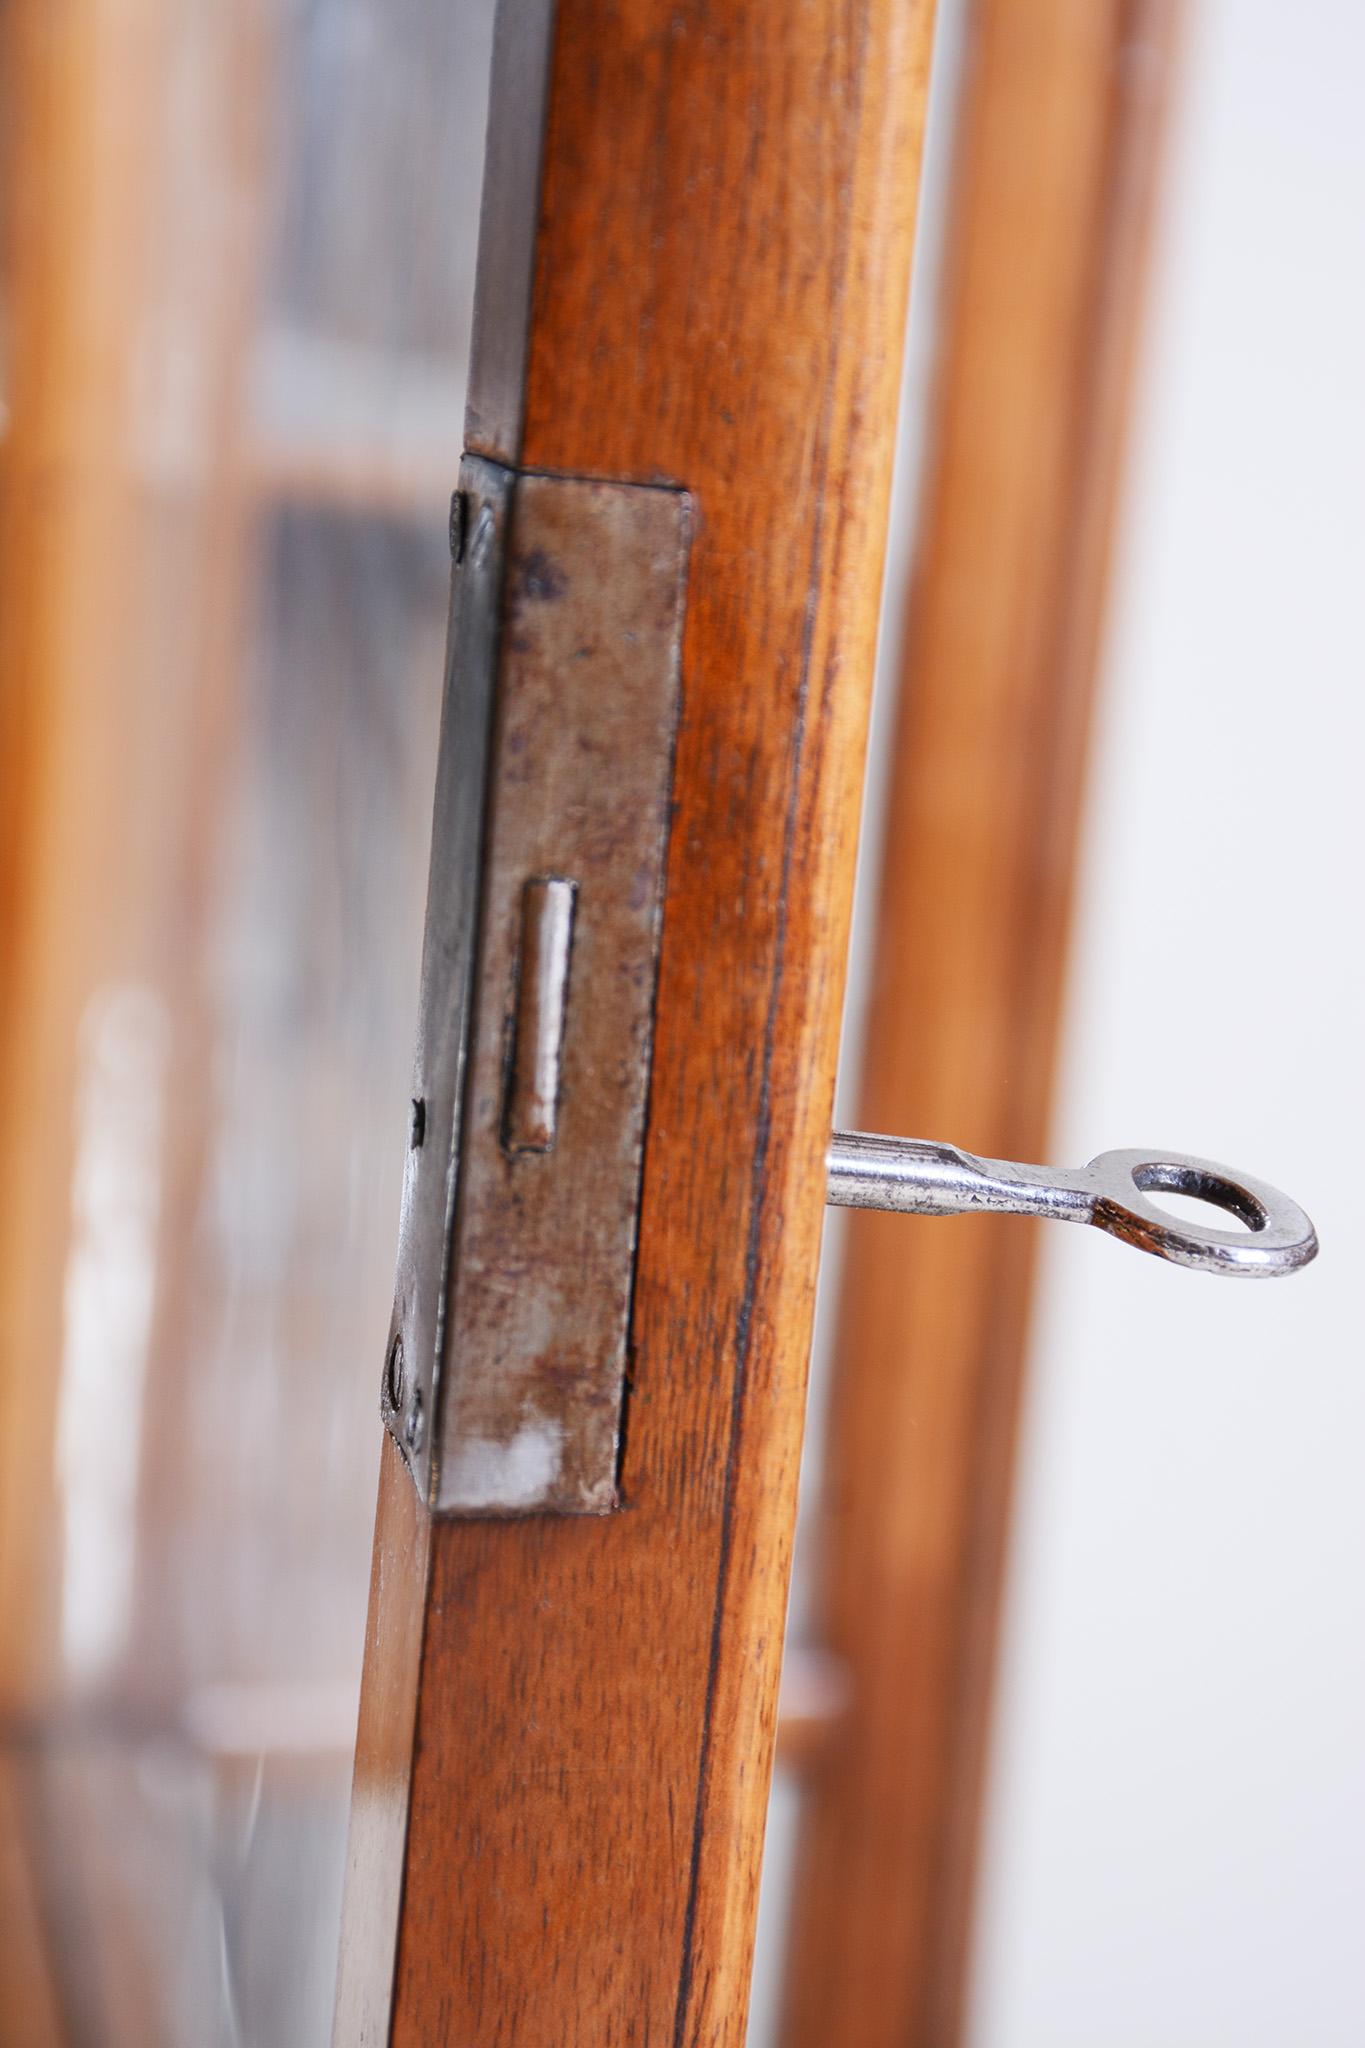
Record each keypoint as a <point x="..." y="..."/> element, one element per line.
<point x="225" y="576"/>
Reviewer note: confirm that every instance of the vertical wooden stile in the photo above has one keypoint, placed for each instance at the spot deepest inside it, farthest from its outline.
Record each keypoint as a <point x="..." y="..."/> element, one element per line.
<point x="567" y="1723"/>
<point x="1058" y="137"/>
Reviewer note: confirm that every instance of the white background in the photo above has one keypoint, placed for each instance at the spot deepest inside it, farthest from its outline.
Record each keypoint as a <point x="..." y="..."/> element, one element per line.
<point x="1176" y="1823"/>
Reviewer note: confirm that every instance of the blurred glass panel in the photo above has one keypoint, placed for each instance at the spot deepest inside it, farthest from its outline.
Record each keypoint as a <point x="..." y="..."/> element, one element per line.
<point x="264" y="1409"/>
<point x="237" y="280"/>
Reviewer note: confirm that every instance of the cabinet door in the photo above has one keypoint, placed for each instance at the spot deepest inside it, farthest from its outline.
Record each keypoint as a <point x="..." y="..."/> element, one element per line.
<point x="693" y="276"/>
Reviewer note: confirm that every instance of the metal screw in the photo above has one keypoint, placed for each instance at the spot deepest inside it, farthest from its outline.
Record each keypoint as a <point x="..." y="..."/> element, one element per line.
<point x="459" y="521"/>
<point x="396" y="1372"/>
<point x="412" y="1428"/>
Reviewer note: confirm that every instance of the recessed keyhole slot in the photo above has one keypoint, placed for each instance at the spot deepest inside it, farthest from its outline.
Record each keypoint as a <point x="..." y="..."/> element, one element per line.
<point x="531" y="1108"/>
<point x="1205" y="1199"/>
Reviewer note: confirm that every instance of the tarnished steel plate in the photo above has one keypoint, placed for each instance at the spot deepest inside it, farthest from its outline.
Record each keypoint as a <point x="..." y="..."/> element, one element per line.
<point x="513" y="1343"/>
<point x="478" y="533"/>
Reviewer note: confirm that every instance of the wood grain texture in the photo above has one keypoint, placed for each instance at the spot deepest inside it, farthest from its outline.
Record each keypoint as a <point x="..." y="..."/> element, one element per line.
<point x="1056" y="150"/>
<point x="725" y="220"/>
<point x="383" y="1750"/>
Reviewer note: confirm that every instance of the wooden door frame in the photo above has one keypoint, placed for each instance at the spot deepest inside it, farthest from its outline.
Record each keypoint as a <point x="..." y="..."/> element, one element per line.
<point x="1058" y="133"/>
<point x="698" y="277"/>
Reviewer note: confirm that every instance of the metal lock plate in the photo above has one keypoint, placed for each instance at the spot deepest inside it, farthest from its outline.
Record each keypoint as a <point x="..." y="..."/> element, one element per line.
<point x="505" y="1375"/>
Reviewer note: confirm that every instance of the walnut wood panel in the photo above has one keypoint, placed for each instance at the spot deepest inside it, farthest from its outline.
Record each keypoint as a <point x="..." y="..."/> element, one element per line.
<point x="1057" y="143"/>
<point x="725" y="206"/>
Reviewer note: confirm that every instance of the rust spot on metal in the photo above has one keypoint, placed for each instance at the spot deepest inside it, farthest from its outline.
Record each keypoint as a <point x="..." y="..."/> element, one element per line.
<point x="539" y="576"/>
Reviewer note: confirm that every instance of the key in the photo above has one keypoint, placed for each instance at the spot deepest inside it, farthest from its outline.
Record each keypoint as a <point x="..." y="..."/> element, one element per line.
<point x="921" y="1178"/>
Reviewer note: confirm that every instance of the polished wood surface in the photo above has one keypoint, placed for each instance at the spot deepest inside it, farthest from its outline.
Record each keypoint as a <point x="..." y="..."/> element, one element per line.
<point x="725" y="212"/>
<point x="1055" y="156"/>
<point x="383" y="1754"/>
